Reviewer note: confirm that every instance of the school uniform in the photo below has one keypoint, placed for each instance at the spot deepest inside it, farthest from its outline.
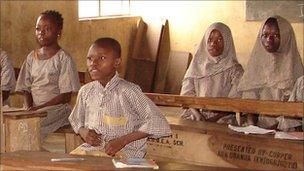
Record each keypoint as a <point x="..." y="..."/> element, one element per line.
<point x="46" y="79"/>
<point x="118" y="109"/>
<point x="8" y="80"/>
<point x="209" y="76"/>
<point x="271" y="76"/>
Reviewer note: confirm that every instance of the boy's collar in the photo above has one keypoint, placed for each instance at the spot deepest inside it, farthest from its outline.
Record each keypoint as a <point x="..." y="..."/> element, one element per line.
<point x="112" y="83"/>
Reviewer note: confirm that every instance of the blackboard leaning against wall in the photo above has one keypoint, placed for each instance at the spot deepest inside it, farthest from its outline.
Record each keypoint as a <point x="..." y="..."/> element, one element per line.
<point x="292" y="10"/>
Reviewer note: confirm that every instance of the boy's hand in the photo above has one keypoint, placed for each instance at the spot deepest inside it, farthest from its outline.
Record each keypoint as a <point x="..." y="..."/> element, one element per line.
<point x="192" y="114"/>
<point x="113" y="146"/>
<point x="90" y="136"/>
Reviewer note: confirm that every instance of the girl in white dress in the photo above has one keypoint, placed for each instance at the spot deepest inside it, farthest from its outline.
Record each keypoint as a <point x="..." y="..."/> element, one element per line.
<point x="48" y="76"/>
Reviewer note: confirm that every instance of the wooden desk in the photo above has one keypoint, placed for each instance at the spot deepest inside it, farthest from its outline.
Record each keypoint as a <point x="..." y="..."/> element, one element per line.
<point x="29" y="160"/>
<point x="212" y="144"/>
<point x="22" y="130"/>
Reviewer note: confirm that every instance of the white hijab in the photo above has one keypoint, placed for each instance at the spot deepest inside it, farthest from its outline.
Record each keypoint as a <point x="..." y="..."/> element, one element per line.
<point x="203" y="64"/>
<point x="277" y="70"/>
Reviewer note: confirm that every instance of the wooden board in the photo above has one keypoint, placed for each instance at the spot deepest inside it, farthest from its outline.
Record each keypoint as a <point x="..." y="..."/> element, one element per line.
<point x="162" y="61"/>
<point x="24" y="160"/>
<point x="141" y="64"/>
<point x="187" y="147"/>
<point x="2" y="129"/>
<point x="72" y="141"/>
<point x="22" y="134"/>
<point x="142" y="73"/>
<point x="256" y="153"/>
<point x="177" y="67"/>
<point x="292" y="10"/>
<point x="207" y="143"/>
<point x="264" y="107"/>
<point x="22" y="130"/>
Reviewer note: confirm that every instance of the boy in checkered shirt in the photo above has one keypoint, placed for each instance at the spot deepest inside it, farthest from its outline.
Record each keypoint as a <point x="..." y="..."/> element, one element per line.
<point x="112" y="111"/>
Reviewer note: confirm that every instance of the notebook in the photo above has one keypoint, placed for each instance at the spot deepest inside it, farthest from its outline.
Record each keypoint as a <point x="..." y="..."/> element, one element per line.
<point x="134" y="163"/>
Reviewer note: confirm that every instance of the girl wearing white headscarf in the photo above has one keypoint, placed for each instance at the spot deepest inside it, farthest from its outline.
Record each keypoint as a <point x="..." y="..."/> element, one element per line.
<point x="212" y="76"/>
<point x="271" y="75"/>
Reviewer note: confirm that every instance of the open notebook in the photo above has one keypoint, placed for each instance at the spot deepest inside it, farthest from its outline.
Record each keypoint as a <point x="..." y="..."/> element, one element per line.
<point x="134" y="163"/>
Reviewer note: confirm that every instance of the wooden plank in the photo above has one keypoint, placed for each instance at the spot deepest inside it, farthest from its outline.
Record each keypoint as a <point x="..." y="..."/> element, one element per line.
<point x="142" y="73"/>
<point x="141" y="64"/>
<point x="162" y="61"/>
<point x="25" y="114"/>
<point x="256" y="153"/>
<point x="272" y="108"/>
<point x="177" y="67"/>
<point x="211" y="146"/>
<point x="22" y="134"/>
<point x="24" y="160"/>
<point x="2" y="126"/>
<point x="72" y="141"/>
<point x="22" y="130"/>
<point x="186" y="146"/>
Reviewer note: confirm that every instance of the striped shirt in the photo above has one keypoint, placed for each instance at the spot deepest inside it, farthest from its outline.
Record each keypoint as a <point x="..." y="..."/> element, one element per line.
<point x="118" y="109"/>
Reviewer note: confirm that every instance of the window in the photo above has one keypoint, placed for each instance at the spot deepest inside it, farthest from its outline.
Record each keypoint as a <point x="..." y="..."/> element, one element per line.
<point x="101" y="8"/>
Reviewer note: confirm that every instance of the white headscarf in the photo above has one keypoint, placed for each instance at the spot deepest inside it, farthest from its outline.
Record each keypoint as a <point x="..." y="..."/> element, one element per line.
<point x="277" y="70"/>
<point x="203" y="64"/>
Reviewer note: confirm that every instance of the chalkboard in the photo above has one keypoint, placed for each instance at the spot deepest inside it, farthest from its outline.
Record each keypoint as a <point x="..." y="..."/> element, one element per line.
<point x="292" y="10"/>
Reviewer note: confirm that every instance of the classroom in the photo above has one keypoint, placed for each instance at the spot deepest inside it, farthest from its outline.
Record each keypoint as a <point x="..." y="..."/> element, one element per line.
<point x="184" y="85"/>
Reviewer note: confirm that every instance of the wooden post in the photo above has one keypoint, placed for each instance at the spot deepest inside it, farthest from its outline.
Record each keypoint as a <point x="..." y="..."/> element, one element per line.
<point x="2" y="132"/>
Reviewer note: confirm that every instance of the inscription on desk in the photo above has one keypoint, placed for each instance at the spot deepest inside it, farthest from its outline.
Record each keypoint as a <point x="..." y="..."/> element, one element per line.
<point x="250" y="154"/>
<point x="167" y="142"/>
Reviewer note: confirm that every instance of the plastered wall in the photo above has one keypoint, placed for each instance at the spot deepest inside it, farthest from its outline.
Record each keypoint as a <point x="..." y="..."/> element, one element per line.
<point x="188" y="21"/>
<point x="18" y="19"/>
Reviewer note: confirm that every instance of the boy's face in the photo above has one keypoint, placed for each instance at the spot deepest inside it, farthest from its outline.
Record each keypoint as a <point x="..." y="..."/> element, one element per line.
<point x="102" y="62"/>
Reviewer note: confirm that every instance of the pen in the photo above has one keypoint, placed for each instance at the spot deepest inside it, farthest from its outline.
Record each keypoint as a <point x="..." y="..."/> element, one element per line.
<point x="67" y="159"/>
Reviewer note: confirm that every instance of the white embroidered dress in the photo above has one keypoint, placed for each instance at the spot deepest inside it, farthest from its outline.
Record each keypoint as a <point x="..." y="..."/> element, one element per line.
<point x="46" y="79"/>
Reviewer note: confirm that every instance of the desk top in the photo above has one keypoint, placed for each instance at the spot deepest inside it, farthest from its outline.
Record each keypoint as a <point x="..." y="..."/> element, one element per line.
<point x="29" y="160"/>
<point x="24" y="114"/>
<point x="211" y="128"/>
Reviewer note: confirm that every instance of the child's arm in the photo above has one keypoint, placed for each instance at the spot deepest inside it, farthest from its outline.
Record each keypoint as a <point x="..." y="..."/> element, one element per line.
<point x="60" y="99"/>
<point x="116" y="145"/>
<point x="28" y="99"/>
<point x="5" y="95"/>
<point x="90" y="136"/>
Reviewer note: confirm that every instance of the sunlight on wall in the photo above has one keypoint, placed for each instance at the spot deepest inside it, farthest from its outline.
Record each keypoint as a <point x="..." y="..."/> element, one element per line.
<point x="188" y="21"/>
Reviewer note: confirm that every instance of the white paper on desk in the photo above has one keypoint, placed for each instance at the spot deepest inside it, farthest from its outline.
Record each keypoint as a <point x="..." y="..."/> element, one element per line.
<point x="251" y="129"/>
<point x="289" y="136"/>
<point x="135" y="163"/>
<point x="88" y="147"/>
<point x="7" y="108"/>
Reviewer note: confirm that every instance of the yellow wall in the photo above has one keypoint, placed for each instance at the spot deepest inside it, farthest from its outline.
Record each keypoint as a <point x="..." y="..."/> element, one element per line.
<point x="188" y="21"/>
<point x="18" y="19"/>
